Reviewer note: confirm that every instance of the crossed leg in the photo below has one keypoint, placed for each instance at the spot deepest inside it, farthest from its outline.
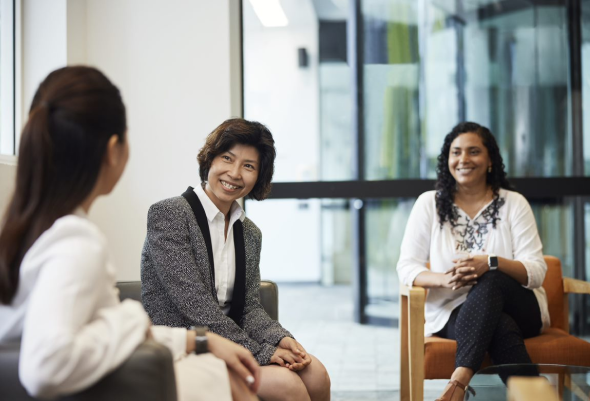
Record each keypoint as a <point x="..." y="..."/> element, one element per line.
<point x="496" y="317"/>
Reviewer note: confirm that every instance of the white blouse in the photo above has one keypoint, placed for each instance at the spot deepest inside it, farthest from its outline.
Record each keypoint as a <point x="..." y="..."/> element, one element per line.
<point x="515" y="237"/>
<point x="67" y="314"/>
<point x="224" y="253"/>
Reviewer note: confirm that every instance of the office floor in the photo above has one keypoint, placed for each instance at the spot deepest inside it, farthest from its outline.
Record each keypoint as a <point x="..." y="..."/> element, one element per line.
<point x="363" y="361"/>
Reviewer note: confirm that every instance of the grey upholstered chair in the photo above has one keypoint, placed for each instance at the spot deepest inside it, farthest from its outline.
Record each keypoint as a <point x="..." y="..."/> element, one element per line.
<point x="269" y="295"/>
<point x="148" y="375"/>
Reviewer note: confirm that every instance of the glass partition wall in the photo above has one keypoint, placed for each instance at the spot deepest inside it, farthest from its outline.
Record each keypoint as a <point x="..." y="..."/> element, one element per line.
<point x="359" y="95"/>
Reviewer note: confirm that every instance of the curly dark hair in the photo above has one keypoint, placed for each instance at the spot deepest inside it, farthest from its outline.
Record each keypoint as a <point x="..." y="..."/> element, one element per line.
<point x="239" y="131"/>
<point x="446" y="184"/>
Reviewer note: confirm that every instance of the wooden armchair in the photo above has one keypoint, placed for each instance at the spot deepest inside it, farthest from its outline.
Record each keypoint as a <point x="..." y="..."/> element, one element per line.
<point x="434" y="357"/>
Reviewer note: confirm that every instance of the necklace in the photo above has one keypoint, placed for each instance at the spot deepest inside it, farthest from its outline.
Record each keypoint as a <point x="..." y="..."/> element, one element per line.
<point x="472" y="208"/>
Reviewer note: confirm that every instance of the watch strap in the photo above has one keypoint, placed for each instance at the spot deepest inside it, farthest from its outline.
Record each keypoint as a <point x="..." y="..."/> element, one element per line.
<point x="201" y="340"/>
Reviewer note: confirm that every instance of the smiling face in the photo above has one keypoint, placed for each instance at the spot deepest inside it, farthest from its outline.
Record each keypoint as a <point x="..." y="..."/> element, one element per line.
<point x="232" y="175"/>
<point x="469" y="160"/>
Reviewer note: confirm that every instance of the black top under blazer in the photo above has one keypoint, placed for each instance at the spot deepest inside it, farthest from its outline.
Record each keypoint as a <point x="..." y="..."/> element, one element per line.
<point x="177" y="287"/>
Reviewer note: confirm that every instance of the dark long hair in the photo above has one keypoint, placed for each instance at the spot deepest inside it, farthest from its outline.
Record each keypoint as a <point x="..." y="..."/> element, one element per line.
<point x="73" y="114"/>
<point x="446" y="185"/>
<point x="239" y="131"/>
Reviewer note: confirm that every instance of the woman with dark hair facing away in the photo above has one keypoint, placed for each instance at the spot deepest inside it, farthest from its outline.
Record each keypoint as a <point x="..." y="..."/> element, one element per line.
<point x="200" y="261"/>
<point x="57" y="286"/>
<point x="486" y="259"/>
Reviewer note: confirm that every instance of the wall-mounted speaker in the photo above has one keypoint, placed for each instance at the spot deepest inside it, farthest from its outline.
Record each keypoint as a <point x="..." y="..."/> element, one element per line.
<point x="302" y="57"/>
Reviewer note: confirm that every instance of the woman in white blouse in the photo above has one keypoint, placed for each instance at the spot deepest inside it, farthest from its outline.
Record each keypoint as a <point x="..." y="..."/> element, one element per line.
<point x="57" y="287"/>
<point x="485" y="255"/>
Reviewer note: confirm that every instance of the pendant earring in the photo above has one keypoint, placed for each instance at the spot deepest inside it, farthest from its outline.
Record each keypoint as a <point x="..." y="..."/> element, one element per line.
<point x="490" y="169"/>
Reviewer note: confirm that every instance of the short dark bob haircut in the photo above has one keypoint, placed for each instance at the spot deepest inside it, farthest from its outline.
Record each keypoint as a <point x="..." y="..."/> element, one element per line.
<point x="237" y="131"/>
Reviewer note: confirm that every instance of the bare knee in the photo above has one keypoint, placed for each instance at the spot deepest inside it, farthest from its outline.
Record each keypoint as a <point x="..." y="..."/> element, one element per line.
<point x="281" y="384"/>
<point x="295" y="387"/>
<point x="316" y="380"/>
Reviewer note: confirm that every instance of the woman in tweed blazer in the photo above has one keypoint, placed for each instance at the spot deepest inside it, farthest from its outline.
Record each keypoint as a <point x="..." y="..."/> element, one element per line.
<point x="200" y="262"/>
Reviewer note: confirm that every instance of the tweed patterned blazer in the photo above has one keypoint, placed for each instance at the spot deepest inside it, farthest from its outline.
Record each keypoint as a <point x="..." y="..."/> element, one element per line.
<point x="178" y="289"/>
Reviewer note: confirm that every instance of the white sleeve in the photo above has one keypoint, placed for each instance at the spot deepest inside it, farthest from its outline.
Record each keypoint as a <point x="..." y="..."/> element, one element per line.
<point x="526" y="244"/>
<point x="70" y="341"/>
<point x="415" y="249"/>
<point x="174" y="338"/>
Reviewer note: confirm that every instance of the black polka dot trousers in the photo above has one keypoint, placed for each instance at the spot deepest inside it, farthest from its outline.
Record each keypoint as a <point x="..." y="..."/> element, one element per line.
<point x="497" y="316"/>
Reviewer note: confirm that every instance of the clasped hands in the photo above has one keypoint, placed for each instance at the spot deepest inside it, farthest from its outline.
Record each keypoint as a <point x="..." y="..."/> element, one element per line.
<point x="465" y="272"/>
<point x="291" y="355"/>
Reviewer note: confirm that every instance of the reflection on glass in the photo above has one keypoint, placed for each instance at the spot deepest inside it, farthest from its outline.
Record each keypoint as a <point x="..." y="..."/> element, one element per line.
<point x="430" y="64"/>
<point x="390" y="93"/>
<point x="336" y="136"/>
<point x="517" y="73"/>
<point x="385" y="224"/>
<point x="336" y="242"/>
<point x="442" y="109"/>
<point x="555" y="224"/>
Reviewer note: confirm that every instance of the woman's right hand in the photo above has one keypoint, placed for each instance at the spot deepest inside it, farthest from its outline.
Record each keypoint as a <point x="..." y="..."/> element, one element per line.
<point x="285" y="358"/>
<point x="458" y="277"/>
<point x="237" y="358"/>
<point x="452" y="279"/>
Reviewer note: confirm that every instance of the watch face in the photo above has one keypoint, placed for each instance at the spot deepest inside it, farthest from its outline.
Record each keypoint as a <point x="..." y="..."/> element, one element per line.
<point x="201" y="342"/>
<point x="494" y="261"/>
<point x="201" y="345"/>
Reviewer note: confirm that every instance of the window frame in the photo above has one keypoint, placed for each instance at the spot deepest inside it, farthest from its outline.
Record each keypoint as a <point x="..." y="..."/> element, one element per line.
<point x="540" y="189"/>
<point x="9" y="54"/>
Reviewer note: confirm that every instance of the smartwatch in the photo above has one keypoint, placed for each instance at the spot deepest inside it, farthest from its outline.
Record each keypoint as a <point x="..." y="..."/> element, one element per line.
<point x="492" y="262"/>
<point x="201" y="341"/>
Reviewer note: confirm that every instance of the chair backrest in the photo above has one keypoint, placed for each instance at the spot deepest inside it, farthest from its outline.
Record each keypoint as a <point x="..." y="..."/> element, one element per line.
<point x="129" y="290"/>
<point x="147" y="375"/>
<point x="10" y="387"/>
<point x="269" y="298"/>
<point x="553" y="286"/>
<point x="269" y="295"/>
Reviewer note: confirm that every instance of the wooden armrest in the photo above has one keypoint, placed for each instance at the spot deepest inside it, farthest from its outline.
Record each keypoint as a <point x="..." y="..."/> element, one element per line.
<point x="412" y="292"/>
<point x="574" y="286"/>
<point x="530" y="389"/>
<point x="412" y="302"/>
<point x="412" y="314"/>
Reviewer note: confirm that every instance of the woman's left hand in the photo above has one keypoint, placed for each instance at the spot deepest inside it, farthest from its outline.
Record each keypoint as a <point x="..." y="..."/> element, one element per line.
<point x="296" y="348"/>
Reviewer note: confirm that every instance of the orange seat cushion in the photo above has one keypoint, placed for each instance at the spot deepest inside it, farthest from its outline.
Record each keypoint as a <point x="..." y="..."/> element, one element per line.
<point x="554" y="346"/>
<point x="558" y="347"/>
